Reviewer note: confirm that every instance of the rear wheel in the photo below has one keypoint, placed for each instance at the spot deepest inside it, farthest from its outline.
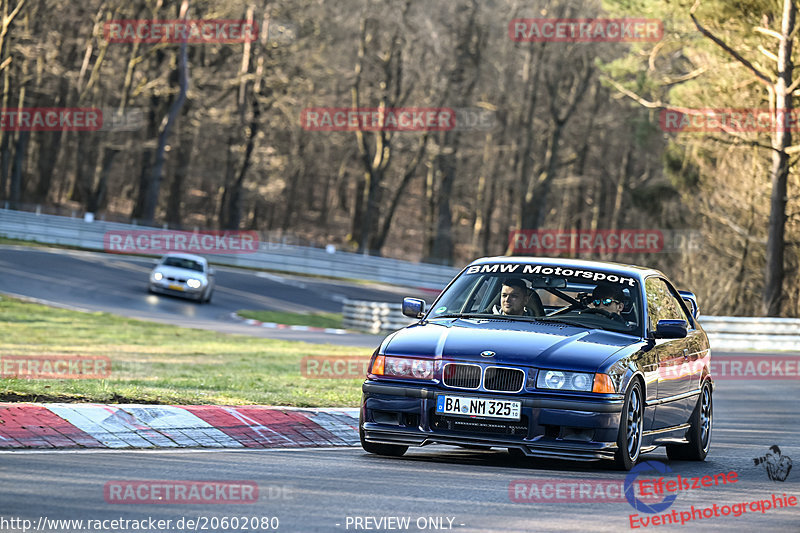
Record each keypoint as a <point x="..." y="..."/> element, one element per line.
<point x="392" y="450"/>
<point x="629" y="438"/>
<point x="699" y="434"/>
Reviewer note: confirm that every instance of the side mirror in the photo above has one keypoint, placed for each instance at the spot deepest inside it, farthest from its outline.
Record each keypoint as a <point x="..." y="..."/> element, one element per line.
<point x="691" y="302"/>
<point x="413" y="307"/>
<point x="211" y="271"/>
<point x="671" y="329"/>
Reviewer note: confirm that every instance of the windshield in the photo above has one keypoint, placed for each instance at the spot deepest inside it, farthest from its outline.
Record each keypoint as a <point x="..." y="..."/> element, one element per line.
<point x="591" y="298"/>
<point x="182" y="262"/>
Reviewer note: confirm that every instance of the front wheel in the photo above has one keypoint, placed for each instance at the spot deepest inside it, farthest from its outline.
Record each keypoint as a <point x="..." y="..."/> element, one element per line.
<point x="699" y="434"/>
<point x="392" y="450"/>
<point x="629" y="437"/>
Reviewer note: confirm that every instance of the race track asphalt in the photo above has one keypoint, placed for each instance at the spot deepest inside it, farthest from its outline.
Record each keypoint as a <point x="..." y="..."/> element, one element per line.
<point x="336" y="490"/>
<point x="94" y="281"/>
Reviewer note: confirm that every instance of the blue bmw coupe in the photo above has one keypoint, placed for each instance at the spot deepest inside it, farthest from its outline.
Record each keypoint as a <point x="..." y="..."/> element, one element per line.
<point x="573" y="359"/>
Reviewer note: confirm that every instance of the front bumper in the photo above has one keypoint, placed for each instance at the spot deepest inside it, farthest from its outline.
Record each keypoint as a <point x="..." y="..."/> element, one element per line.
<point x="549" y="427"/>
<point x="185" y="291"/>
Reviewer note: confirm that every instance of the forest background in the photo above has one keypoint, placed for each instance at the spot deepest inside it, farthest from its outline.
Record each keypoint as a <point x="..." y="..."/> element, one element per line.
<point x="210" y="135"/>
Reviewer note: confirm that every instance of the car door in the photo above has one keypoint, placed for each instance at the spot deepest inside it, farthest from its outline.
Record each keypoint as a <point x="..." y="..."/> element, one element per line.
<point x="674" y="369"/>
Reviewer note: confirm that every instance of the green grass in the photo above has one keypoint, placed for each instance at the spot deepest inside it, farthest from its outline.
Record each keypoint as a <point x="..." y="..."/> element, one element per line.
<point x="155" y="363"/>
<point x="318" y="320"/>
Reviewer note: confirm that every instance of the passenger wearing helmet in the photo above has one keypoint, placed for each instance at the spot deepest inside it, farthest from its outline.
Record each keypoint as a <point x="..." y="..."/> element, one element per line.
<point x="608" y="300"/>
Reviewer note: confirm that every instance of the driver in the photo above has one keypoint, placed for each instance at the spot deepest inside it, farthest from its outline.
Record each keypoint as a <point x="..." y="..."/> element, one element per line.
<point x="609" y="298"/>
<point x="514" y="297"/>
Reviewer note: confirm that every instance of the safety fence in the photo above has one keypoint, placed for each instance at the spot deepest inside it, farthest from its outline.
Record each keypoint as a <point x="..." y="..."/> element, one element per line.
<point x="724" y="333"/>
<point x="277" y="255"/>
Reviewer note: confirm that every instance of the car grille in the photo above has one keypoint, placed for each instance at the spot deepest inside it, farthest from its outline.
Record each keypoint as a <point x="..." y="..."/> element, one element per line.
<point x="502" y="379"/>
<point x="496" y="378"/>
<point x="180" y="280"/>
<point x="469" y="425"/>
<point x="461" y="376"/>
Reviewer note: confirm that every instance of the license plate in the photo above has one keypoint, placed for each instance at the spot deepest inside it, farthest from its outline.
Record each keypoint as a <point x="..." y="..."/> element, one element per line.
<point x="480" y="407"/>
<point x="176" y="287"/>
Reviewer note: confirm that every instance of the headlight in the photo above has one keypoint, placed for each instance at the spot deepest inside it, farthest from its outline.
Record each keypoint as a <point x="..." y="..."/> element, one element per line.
<point x="157" y="276"/>
<point x="402" y="367"/>
<point x="562" y="380"/>
<point x="194" y="283"/>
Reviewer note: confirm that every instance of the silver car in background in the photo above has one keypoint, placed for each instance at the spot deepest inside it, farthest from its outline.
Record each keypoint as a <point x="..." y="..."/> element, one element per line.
<point x="183" y="275"/>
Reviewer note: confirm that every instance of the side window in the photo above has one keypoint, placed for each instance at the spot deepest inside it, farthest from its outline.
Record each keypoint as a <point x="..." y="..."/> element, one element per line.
<point x="661" y="303"/>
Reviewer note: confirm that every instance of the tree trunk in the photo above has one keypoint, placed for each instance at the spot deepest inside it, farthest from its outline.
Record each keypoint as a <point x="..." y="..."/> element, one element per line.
<point x="98" y="199"/>
<point x="154" y="185"/>
<point x="779" y="172"/>
<point x="21" y="149"/>
<point x="235" y="208"/>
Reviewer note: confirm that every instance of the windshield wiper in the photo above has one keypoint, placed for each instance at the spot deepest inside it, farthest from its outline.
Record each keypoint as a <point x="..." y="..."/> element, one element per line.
<point x="487" y="316"/>
<point x="625" y="327"/>
<point x="463" y="315"/>
<point x="564" y="321"/>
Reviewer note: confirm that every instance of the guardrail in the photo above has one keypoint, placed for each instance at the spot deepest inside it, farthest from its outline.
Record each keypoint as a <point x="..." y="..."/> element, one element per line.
<point x="374" y="317"/>
<point x="747" y="333"/>
<point x="724" y="332"/>
<point x="52" y="229"/>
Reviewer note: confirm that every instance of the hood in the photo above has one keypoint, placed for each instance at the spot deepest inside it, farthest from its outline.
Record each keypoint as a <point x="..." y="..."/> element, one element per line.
<point x="556" y="346"/>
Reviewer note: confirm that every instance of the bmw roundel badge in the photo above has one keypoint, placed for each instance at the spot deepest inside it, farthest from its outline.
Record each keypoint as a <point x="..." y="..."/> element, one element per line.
<point x="487" y="353"/>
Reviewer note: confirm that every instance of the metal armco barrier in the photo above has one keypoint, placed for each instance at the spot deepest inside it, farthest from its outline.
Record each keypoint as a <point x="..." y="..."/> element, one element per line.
<point x="374" y="317"/>
<point x="51" y="229"/>
<point x="724" y="333"/>
<point x="746" y="333"/>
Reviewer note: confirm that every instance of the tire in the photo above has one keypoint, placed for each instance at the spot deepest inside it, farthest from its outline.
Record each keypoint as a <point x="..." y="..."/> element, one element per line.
<point x="390" y="450"/>
<point x="629" y="437"/>
<point x="208" y="298"/>
<point x="699" y="434"/>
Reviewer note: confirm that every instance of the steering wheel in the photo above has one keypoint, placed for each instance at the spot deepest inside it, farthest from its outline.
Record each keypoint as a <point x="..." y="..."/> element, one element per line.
<point x="603" y="312"/>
